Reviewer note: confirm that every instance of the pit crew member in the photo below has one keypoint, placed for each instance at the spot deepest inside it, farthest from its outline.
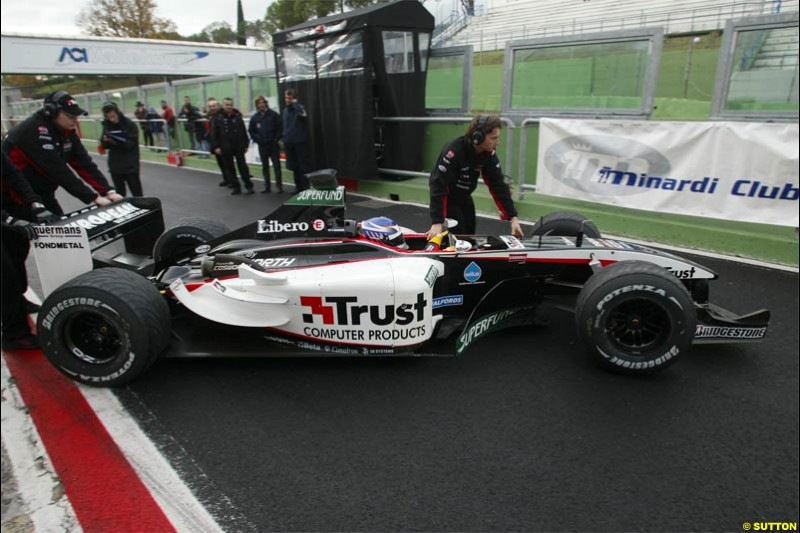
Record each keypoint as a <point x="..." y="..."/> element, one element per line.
<point x="455" y="176"/>
<point x="46" y="148"/>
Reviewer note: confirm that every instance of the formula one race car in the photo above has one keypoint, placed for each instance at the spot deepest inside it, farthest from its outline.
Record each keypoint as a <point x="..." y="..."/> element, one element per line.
<point x="305" y="280"/>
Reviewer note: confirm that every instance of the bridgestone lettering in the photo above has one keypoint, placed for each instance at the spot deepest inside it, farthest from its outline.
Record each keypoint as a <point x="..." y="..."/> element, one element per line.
<point x="47" y="322"/>
<point x="705" y="332"/>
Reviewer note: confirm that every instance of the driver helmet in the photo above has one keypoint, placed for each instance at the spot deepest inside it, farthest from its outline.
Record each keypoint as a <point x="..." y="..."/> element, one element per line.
<point x="383" y="229"/>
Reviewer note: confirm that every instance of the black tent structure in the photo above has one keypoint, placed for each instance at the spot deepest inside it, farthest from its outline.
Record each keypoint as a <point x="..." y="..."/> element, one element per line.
<point x="351" y="67"/>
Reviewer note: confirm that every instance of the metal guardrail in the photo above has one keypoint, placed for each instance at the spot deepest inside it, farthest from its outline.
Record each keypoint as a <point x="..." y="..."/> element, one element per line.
<point x="444" y="120"/>
<point x="168" y="145"/>
<point x="523" y="139"/>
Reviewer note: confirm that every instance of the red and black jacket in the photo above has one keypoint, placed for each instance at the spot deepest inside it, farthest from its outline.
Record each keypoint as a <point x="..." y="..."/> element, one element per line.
<point x="455" y="176"/>
<point x="47" y="156"/>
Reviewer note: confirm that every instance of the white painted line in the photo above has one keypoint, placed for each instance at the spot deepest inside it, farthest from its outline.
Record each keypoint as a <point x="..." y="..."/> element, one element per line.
<point x="38" y="487"/>
<point x="172" y="495"/>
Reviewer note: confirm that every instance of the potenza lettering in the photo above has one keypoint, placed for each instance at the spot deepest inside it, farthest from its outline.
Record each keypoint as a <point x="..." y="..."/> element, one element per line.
<point x="610" y="296"/>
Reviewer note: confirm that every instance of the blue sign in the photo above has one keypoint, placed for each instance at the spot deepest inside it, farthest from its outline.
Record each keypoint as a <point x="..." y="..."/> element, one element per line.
<point x="447" y="301"/>
<point x="78" y="55"/>
<point x="473" y="272"/>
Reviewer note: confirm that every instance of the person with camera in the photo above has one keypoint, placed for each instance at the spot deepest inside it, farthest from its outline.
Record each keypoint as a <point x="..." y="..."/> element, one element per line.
<point x="120" y="140"/>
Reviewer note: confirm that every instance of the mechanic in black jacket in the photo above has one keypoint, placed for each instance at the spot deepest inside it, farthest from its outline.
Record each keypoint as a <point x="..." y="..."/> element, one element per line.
<point x="121" y="139"/>
<point x="265" y="130"/>
<point x="46" y="148"/>
<point x="455" y="176"/>
<point x="295" y="139"/>
<point x="21" y="207"/>
<point x="229" y="140"/>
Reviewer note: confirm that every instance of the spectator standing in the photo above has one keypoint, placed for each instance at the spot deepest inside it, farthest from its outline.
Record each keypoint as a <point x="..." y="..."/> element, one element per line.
<point x="120" y="139"/>
<point x="46" y="148"/>
<point x="295" y="138"/>
<point x="229" y="140"/>
<point x="156" y="126"/>
<point x="169" y="118"/>
<point x="144" y="125"/>
<point x="265" y="130"/>
<point x="21" y="207"/>
<point x="455" y="176"/>
<point x="213" y="109"/>
<point x="191" y="114"/>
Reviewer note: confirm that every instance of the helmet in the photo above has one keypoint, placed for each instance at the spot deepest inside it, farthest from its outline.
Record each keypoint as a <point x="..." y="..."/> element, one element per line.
<point x="383" y="229"/>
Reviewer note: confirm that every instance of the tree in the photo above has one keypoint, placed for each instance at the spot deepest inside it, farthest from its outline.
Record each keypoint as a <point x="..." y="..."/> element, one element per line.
<point x="124" y="18"/>
<point x="241" y="25"/>
<point x="283" y="14"/>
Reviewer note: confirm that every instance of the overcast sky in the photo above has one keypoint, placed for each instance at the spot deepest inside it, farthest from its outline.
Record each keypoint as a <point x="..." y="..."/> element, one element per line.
<point x="57" y="17"/>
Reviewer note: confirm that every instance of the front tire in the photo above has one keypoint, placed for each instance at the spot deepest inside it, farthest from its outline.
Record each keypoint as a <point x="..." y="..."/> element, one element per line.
<point x="635" y="317"/>
<point x="105" y="327"/>
<point x="185" y="237"/>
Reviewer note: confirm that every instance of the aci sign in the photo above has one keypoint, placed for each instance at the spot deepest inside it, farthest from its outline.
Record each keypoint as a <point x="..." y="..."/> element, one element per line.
<point x="78" y="55"/>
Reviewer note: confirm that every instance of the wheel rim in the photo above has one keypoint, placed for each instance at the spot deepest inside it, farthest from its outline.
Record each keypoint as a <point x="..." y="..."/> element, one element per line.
<point x="92" y="338"/>
<point x="638" y="325"/>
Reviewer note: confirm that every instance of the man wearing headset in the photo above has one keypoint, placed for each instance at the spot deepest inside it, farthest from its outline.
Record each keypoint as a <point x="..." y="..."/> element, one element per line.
<point x="46" y="148"/>
<point x="455" y="176"/>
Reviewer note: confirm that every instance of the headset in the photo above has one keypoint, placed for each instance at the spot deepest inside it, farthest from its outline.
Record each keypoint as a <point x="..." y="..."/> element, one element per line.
<point x="110" y="106"/>
<point x="479" y="135"/>
<point x="51" y="105"/>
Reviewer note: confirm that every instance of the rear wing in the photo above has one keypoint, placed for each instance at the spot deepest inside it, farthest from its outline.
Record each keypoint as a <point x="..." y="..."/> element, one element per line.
<point x="137" y="222"/>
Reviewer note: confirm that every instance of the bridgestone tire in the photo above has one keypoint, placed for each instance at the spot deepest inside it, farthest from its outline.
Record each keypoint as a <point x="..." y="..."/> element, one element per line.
<point x="566" y="224"/>
<point x="635" y="317"/>
<point x="186" y="236"/>
<point x="105" y="327"/>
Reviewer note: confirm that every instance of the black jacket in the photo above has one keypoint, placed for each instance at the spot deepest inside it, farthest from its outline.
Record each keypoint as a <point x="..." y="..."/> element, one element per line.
<point x="192" y="115"/>
<point x="17" y="194"/>
<point x="44" y="155"/>
<point x="295" y="130"/>
<point x="123" y="146"/>
<point x="455" y="175"/>
<point x="228" y="132"/>
<point x="265" y="128"/>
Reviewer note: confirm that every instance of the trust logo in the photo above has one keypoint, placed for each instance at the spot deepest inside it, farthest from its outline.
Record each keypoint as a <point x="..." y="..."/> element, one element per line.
<point x="315" y="303"/>
<point x="346" y="311"/>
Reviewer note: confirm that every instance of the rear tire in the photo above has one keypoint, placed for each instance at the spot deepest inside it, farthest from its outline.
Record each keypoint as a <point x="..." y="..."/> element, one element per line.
<point x="185" y="237"/>
<point x="635" y="317"/>
<point x="105" y="327"/>
<point x="565" y="224"/>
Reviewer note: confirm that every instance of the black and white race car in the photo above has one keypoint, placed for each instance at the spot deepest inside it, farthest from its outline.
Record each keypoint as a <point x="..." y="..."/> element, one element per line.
<point x="305" y="280"/>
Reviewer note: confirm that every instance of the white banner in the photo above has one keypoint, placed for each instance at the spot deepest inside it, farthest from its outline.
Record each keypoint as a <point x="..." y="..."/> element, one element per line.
<point x="60" y="254"/>
<point x="727" y="170"/>
<point x="104" y="55"/>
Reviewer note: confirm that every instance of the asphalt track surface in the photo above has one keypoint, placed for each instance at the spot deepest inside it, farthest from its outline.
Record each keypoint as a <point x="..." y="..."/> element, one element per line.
<point x="522" y="433"/>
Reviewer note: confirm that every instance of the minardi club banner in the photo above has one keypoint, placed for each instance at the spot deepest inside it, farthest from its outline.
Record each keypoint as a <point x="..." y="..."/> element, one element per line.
<point x="727" y="170"/>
